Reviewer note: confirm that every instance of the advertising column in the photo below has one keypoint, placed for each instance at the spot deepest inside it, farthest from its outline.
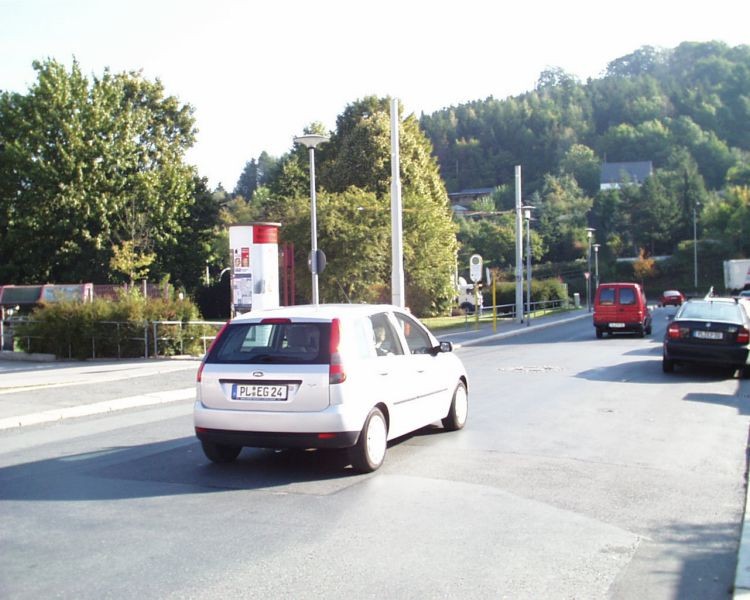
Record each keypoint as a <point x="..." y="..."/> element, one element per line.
<point x="254" y="252"/>
<point x="240" y="244"/>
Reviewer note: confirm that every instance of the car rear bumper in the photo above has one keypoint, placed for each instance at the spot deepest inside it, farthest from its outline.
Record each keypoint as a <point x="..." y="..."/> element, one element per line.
<point x="628" y="327"/>
<point x="272" y="439"/>
<point x="707" y="355"/>
<point x="336" y="427"/>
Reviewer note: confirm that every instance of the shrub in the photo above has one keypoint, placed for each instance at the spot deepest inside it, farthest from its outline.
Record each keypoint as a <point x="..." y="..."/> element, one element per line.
<point x="112" y="329"/>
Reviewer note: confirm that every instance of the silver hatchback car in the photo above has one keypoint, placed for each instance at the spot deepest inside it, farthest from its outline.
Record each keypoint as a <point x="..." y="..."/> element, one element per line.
<point x="348" y="376"/>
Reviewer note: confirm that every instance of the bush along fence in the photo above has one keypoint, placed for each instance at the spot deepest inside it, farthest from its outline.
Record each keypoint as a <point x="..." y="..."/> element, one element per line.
<point x="112" y="339"/>
<point x="130" y="327"/>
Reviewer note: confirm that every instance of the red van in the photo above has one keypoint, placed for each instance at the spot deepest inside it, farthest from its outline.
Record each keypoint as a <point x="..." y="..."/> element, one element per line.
<point x="620" y="308"/>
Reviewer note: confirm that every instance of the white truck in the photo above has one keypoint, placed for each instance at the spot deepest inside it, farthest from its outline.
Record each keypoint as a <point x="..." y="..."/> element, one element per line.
<point x="466" y="297"/>
<point x="737" y="274"/>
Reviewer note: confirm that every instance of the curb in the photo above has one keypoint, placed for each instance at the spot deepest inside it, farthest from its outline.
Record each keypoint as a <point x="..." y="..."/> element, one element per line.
<point x="522" y="330"/>
<point x="25" y="356"/>
<point x="742" y="573"/>
<point x="96" y="408"/>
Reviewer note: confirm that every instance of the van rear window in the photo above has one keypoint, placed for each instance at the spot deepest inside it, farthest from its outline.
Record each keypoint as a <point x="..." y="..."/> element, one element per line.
<point x="627" y="295"/>
<point x="607" y="296"/>
<point x="268" y="343"/>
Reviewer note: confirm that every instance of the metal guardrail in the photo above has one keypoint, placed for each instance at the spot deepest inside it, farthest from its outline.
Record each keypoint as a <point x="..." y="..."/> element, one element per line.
<point x="185" y="332"/>
<point x="509" y="310"/>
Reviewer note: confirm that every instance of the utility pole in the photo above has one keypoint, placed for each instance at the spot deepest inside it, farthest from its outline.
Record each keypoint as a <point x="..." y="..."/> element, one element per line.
<point x="519" y="249"/>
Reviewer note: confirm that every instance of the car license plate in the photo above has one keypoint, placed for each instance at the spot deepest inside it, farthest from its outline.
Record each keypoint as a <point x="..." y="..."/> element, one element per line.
<point x="708" y="335"/>
<point x="617" y="325"/>
<point x="258" y="392"/>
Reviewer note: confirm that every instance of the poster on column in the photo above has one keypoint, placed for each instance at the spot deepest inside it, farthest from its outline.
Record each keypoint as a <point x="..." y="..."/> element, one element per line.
<point x="240" y="245"/>
<point x="242" y="293"/>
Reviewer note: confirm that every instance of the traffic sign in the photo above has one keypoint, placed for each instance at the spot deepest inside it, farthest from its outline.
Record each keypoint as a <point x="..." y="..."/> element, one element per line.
<point x="475" y="268"/>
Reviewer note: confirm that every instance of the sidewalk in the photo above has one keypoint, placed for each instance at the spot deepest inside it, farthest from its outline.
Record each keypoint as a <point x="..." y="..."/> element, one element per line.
<point x="30" y="390"/>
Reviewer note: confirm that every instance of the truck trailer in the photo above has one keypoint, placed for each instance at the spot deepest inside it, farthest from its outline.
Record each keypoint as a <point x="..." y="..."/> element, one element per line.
<point x="737" y="274"/>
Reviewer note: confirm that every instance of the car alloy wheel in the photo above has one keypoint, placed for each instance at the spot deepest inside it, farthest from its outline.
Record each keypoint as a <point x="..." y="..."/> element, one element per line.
<point x="369" y="452"/>
<point x="459" y="409"/>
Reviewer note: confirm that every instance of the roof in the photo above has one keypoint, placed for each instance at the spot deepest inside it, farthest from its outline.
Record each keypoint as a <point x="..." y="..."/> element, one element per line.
<point x="621" y="172"/>
<point x="472" y="192"/>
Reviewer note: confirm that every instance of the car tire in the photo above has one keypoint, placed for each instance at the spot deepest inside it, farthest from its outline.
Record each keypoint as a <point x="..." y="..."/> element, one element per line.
<point x="599" y="333"/>
<point x="744" y="372"/>
<point x="648" y="329"/>
<point x="641" y="332"/>
<point x="369" y="452"/>
<point x="220" y="453"/>
<point x="459" y="410"/>
<point x="667" y="365"/>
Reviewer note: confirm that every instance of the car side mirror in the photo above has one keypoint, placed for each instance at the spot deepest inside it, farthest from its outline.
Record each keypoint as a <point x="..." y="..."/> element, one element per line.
<point x="444" y="347"/>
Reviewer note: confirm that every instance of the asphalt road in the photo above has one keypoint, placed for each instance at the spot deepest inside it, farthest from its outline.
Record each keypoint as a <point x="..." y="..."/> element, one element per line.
<point x="584" y="472"/>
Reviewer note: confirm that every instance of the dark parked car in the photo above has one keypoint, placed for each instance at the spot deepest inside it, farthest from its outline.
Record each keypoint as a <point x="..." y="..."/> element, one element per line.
<point x="672" y="298"/>
<point x="713" y="331"/>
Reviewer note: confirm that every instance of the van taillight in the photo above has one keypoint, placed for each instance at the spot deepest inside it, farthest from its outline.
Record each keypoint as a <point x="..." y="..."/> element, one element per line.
<point x="199" y="375"/>
<point x="743" y="336"/>
<point x="336" y="372"/>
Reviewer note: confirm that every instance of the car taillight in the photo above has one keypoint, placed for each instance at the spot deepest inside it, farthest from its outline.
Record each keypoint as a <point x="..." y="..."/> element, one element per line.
<point x="275" y="321"/>
<point x="336" y="372"/>
<point x="743" y="336"/>
<point x="199" y="374"/>
<point x="674" y="332"/>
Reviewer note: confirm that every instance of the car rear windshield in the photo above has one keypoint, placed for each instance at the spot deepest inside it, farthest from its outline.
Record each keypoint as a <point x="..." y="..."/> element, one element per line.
<point x="281" y="343"/>
<point x="714" y="311"/>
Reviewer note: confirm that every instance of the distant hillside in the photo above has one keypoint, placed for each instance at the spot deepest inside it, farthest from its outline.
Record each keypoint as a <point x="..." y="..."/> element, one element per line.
<point x="651" y="105"/>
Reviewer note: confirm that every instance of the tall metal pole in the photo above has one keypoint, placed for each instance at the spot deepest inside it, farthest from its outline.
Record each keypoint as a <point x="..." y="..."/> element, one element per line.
<point x="311" y="141"/>
<point x="313" y="229"/>
<point x="695" y="248"/>
<point x="528" y="267"/>
<point x="519" y="244"/>
<point x="589" y="233"/>
<point x="596" y="265"/>
<point x="398" y="294"/>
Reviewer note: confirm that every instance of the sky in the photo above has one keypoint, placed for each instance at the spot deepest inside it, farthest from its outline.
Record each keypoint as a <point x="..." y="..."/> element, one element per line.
<point x="257" y="73"/>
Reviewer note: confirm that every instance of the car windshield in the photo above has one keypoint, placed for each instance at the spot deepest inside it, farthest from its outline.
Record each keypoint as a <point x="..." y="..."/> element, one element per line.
<point x="263" y="343"/>
<point x="713" y="311"/>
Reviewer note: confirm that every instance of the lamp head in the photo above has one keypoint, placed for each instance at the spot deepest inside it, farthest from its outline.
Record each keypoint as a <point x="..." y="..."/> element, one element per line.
<point x="311" y="140"/>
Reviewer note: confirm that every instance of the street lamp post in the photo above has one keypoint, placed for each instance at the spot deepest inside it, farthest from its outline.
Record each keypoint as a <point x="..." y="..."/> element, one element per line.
<point x="589" y="234"/>
<point x="695" y="246"/>
<point x="596" y="264"/>
<point x="310" y="142"/>
<point x="527" y="216"/>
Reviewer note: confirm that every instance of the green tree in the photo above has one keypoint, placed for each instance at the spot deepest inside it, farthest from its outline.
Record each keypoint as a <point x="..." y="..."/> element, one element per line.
<point x="87" y="166"/>
<point x="655" y="218"/>
<point x="354" y="166"/>
<point x="581" y="162"/>
<point x="256" y="173"/>
<point x="563" y="212"/>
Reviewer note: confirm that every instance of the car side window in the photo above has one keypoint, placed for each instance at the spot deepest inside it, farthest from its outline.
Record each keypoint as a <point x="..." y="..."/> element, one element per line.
<point x="416" y="337"/>
<point x="385" y="339"/>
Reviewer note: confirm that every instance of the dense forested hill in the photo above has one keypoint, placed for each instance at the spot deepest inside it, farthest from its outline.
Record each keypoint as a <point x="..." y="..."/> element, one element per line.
<point x="657" y="105"/>
<point x="686" y="110"/>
